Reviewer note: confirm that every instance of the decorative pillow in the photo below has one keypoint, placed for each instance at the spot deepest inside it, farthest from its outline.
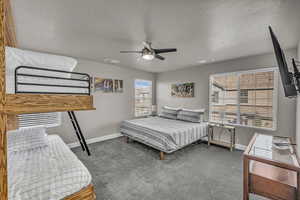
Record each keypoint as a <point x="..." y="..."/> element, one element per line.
<point x="169" y="112"/>
<point x="26" y="139"/>
<point x="191" y="115"/>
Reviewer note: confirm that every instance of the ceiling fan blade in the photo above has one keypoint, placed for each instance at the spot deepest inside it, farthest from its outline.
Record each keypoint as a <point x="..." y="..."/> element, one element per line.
<point x="159" y="57"/>
<point x="130" y="52"/>
<point x="164" y="50"/>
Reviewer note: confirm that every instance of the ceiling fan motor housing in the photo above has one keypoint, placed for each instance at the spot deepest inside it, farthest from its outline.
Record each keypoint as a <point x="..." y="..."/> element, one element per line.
<point x="148" y="54"/>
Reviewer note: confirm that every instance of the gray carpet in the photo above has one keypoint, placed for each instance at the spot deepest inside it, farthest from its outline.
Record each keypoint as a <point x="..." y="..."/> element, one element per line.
<point x="133" y="171"/>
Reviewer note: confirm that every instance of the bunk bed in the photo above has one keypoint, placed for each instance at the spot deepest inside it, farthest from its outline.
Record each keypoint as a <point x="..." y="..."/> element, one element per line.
<point x="23" y="100"/>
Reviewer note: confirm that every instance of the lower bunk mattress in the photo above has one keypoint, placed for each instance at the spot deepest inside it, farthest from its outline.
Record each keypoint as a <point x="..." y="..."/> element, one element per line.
<point x="166" y="135"/>
<point x="52" y="172"/>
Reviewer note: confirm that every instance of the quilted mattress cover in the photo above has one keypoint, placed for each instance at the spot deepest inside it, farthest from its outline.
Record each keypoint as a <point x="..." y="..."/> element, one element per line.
<point x="48" y="173"/>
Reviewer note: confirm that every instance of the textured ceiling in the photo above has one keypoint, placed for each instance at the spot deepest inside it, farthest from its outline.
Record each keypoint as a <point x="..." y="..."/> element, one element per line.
<point x="212" y="30"/>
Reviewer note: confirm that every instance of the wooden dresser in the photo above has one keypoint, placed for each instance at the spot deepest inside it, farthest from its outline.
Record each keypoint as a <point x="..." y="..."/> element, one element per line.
<point x="269" y="171"/>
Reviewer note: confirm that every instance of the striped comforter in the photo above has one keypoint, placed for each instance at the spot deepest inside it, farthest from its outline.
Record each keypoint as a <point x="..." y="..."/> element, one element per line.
<point x="167" y="135"/>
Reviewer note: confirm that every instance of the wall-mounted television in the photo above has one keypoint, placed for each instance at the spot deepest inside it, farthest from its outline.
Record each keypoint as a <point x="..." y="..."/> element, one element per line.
<point x="287" y="77"/>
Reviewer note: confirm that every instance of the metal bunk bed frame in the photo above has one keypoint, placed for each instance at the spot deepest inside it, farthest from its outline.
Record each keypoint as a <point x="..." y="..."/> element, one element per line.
<point x="84" y="78"/>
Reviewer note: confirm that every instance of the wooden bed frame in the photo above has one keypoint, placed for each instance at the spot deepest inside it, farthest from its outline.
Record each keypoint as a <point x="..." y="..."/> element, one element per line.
<point x="13" y="104"/>
<point x="87" y="193"/>
<point x="161" y="153"/>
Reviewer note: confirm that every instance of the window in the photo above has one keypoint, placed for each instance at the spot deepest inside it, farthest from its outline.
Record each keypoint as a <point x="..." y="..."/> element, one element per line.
<point x="143" y="97"/>
<point x="245" y="98"/>
<point x="36" y="119"/>
<point x="215" y="97"/>
<point x="244" y="95"/>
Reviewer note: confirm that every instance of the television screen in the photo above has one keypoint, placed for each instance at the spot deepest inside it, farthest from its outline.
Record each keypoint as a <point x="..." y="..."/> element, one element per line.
<point x="286" y="76"/>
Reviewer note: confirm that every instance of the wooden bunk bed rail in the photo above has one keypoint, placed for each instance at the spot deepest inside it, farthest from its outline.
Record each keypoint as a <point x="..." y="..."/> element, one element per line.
<point x="3" y="117"/>
<point x="10" y="38"/>
<point x="87" y="193"/>
<point x="12" y="122"/>
<point x="41" y="103"/>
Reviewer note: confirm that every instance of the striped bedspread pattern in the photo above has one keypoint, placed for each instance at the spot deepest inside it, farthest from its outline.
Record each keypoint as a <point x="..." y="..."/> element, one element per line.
<point x="164" y="134"/>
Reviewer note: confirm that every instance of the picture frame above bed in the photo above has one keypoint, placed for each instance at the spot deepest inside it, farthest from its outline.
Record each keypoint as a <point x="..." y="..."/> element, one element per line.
<point x="118" y="86"/>
<point x="106" y="85"/>
<point x="183" y="90"/>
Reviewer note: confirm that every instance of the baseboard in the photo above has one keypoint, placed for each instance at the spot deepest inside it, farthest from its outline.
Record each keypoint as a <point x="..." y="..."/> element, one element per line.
<point x="240" y="147"/>
<point x="96" y="139"/>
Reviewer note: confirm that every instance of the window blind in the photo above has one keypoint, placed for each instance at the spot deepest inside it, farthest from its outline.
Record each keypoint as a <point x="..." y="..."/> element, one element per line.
<point x="244" y="98"/>
<point x="36" y="119"/>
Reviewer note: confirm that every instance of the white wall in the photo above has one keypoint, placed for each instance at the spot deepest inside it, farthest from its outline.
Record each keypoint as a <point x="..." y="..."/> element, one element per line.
<point x="200" y="76"/>
<point x="112" y="108"/>
<point x="298" y="114"/>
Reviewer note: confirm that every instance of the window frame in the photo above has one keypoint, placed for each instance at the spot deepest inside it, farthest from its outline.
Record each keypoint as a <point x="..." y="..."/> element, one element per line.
<point x="146" y="80"/>
<point x="238" y="73"/>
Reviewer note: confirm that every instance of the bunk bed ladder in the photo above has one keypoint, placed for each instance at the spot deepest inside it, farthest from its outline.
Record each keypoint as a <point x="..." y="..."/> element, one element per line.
<point x="78" y="132"/>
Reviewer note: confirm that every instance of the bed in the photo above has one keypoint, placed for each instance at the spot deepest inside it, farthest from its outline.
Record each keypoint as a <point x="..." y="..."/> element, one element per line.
<point x="51" y="172"/>
<point x="166" y="135"/>
<point x="48" y="91"/>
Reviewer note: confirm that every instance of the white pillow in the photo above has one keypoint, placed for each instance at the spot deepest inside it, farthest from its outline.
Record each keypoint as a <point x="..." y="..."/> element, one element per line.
<point x="171" y="108"/>
<point x="191" y="115"/>
<point x="169" y="112"/>
<point x="191" y="110"/>
<point x="26" y="139"/>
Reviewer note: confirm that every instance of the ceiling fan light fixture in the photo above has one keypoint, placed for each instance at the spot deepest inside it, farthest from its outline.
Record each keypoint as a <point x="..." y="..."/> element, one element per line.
<point x="148" y="53"/>
<point x="148" y="56"/>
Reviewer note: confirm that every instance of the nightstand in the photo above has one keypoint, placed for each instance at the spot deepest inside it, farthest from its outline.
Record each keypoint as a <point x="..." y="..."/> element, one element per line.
<point x="225" y="129"/>
<point x="270" y="171"/>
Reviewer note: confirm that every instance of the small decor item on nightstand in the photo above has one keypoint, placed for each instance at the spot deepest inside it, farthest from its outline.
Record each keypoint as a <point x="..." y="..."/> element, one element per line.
<point x="224" y="128"/>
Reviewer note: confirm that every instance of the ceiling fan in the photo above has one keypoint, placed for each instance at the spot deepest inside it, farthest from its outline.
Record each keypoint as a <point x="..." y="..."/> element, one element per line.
<point x="149" y="53"/>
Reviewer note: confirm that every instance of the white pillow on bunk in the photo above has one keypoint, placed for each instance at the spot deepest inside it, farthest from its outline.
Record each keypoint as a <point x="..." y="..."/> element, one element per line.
<point x="26" y="139"/>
